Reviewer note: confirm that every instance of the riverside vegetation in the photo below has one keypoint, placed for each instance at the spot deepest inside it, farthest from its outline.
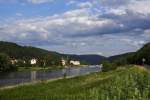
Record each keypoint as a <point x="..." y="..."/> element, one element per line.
<point x="128" y="82"/>
<point x="124" y="83"/>
<point x="21" y="57"/>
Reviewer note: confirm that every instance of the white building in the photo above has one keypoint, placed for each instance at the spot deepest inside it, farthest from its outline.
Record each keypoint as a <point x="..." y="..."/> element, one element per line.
<point x="33" y="61"/>
<point x="75" y="62"/>
<point x="14" y="61"/>
<point x="63" y="62"/>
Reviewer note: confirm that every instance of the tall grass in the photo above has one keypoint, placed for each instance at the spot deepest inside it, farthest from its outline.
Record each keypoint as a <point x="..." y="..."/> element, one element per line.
<point x="123" y="84"/>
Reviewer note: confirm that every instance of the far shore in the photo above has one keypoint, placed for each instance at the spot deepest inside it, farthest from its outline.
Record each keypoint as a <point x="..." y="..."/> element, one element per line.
<point x="37" y="68"/>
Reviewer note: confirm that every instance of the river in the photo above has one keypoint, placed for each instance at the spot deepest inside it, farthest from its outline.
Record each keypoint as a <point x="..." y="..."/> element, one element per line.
<point x="14" y="78"/>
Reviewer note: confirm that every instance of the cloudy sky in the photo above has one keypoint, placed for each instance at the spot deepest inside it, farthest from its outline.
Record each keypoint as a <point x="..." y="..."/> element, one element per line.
<point x="105" y="27"/>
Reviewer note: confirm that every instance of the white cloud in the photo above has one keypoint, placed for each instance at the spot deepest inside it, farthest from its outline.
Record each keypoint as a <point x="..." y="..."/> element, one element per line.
<point x="71" y="2"/>
<point x="39" y="1"/>
<point x="85" y="5"/>
<point x="140" y="7"/>
<point x="81" y="30"/>
<point x="118" y="11"/>
<point x="147" y="31"/>
<point x="18" y="14"/>
<point x="77" y="12"/>
<point x="74" y="22"/>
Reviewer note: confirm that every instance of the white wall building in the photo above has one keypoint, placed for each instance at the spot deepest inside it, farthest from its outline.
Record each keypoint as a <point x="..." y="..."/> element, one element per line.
<point x="14" y="61"/>
<point x="75" y="62"/>
<point x="63" y="62"/>
<point x="33" y="61"/>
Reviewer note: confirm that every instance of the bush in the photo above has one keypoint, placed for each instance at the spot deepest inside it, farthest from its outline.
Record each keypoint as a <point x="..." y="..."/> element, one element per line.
<point x="107" y="66"/>
<point x="5" y="64"/>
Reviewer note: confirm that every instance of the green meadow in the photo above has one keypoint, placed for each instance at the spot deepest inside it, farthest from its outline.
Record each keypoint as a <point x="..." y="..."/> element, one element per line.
<point x="125" y="83"/>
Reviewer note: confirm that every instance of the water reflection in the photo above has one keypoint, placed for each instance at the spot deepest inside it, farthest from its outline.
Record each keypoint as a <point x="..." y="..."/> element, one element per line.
<point x="14" y="78"/>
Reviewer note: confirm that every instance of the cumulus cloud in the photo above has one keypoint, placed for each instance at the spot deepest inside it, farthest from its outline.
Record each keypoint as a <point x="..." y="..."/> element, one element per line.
<point x="140" y="7"/>
<point x="39" y="1"/>
<point x="79" y="21"/>
<point x="71" y="2"/>
<point x="26" y="1"/>
<point x="105" y="27"/>
<point x="85" y="5"/>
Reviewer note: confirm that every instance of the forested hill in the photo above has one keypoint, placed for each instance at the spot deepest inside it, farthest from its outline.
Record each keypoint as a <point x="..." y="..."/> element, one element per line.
<point x="112" y="58"/>
<point x="143" y="53"/>
<point x="16" y="51"/>
<point x="89" y="59"/>
<point x="24" y="52"/>
<point x="135" y="57"/>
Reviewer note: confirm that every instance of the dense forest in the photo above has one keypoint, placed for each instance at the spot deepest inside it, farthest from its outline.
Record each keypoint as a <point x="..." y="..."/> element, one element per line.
<point x="140" y="57"/>
<point x="23" y="55"/>
<point x="24" y="52"/>
<point x="137" y="57"/>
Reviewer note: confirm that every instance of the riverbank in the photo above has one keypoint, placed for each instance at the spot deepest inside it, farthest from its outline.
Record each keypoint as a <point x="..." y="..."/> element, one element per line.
<point x="38" y="82"/>
<point x="27" y="69"/>
<point x="48" y="68"/>
<point x="14" y="78"/>
<point x="121" y="84"/>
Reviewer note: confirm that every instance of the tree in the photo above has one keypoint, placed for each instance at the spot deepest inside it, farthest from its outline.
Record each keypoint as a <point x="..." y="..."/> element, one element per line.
<point x="5" y="64"/>
<point x="107" y="66"/>
<point x="121" y="62"/>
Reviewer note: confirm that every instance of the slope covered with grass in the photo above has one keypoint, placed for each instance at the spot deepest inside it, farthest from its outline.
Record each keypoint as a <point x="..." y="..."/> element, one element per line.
<point x="122" y="84"/>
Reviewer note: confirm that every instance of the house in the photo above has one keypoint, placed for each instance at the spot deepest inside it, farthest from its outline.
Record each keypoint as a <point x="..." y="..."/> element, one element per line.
<point x="33" y="61"/>
<point x="14" y="61"/>
<point x="63" y="62"/>
<point x="24" y="61"/>
<point x="76" y="63"/>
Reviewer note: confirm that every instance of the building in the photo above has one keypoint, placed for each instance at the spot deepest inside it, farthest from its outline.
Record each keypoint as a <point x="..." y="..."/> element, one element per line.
<point x="63" y="62"/>
<point x="33" y="61"/>
<point x="14" y="61"/>
<point x="76" y="63"/>
<point x="24" y="61"/>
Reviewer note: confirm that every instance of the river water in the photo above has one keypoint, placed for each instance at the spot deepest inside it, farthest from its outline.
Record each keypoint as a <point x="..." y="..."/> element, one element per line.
<point x="14" y="78"/>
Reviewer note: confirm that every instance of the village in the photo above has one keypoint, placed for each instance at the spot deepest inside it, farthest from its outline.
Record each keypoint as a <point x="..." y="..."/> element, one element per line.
<point x="34" y="62"/>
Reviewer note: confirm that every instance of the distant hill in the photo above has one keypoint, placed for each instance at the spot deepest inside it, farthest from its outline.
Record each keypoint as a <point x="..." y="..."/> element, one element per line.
<point x="22" y="52"/>
<point x="16" y="51"/>
<point x="90" y="59"/>
<point x="144" y="52"/>
<point x="26" y="53"/>
<point x="112" y="58"/>
<point x="134" y="57"/>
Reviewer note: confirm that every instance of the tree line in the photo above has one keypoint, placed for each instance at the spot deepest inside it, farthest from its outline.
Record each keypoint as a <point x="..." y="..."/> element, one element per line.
<point x="23" y="55"/>
<point x="141" y="57"/>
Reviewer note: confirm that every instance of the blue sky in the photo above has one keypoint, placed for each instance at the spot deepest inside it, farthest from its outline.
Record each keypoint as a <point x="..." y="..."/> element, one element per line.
<point x="105" y="27"/>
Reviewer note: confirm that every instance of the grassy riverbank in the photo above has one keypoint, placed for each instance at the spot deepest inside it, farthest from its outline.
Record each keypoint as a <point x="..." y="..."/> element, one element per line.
<point x="121" y="84"/>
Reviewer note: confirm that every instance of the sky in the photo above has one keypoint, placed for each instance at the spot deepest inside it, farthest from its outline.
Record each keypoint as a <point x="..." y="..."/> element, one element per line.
<point x="103" y="27"/>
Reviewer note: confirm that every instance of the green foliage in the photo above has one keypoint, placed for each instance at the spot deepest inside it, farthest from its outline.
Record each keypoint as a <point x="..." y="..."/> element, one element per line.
<point x="107" y="66"/>
<point x="134" y="58"/>
<point x="143" y="53"/>
<point x="121" y="84"/>
<point x="5" y="64"/>
<point x="26" y="53"/>
<point x="84" y="63"/>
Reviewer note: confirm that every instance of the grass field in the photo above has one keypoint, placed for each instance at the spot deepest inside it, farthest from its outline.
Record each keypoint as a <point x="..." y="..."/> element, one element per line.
<point x="122" y="84"/>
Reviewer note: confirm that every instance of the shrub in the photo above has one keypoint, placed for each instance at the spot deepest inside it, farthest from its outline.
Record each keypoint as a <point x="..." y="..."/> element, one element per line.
<point x="107" y="66"/>
<point x="5" y="64"/>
